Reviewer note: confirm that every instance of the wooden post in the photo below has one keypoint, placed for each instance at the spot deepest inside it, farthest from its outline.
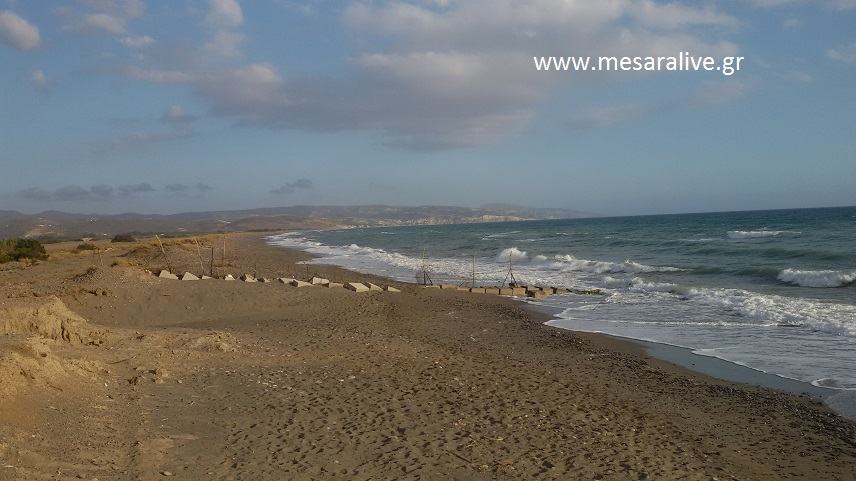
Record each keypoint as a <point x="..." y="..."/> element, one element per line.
<point x="199" y="254"/>
<point x="163" y="251"/>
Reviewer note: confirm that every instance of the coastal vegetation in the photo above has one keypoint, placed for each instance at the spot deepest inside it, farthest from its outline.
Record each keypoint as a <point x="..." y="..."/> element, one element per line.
<point x="17" y="249"/>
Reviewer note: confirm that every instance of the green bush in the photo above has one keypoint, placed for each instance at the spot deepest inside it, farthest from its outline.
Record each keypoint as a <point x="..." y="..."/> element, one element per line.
<point x="86" y="246"/>
<point x="123" y="238"/>
<point x="17" y="249"/>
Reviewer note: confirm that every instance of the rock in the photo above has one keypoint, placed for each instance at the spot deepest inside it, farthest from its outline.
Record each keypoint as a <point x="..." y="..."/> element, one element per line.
<point x="297" y="283"/>
<point x="373" y="287"/>
<point x="319" y="281"/>
<point x="165" y="274"/>
<point x="392" y="289"/>
<point x="265" y="280"/>
<point x="537" y="294"/>
<point x="248" y="278"/>
<point x="229" y="277"/>
<point x="356" y="287"/>
<point x="166" y="473"/>
<point x="286" y="280"/>
<point x="204" y="277"/>
<point x="187" y="276"/>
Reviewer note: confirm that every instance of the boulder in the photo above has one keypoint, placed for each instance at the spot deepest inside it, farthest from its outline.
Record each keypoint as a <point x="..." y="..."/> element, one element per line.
<point x="248" y="278"/>
<point x="391" y="289"/>
<point x="297" y="283"/>
<point x="265" y="280"/>
<point x="319" y="281"/>
<point x="229" y="277"/>
<point x="187" y="276"/>
<point x="165" y="274"/>
<point x="373" y="287"/>
<point x="356" y="287"/>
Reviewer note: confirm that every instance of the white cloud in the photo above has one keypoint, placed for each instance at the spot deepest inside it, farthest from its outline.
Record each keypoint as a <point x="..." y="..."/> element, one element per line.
<point x="157" y="76"/>
<point x="100" y="22"/>
<point x="225" y="13"/>
<point x="844" y="53"/>
<point x="39" y="80"/>
<point x="100" y="16"/>
<point x="838" y="4"/>
<point x="708" y="94"/>
<point x="177" y="114"/>
<point x="226" y="43"/>
<point x="138" y="42"/>
<point x="450" y="73"/>
<point x="17" y="32"/>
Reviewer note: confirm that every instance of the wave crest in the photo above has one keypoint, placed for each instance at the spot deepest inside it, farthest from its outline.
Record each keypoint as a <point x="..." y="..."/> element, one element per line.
<point x="752" y="234"/>
<point x="824" y="278"/>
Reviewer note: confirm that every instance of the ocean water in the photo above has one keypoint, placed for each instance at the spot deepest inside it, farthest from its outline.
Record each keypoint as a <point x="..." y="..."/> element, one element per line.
<point x="771" y="290"/>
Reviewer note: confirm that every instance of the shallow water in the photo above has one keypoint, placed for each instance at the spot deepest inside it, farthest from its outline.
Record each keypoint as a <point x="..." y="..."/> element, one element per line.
<point x="771" y="290"/>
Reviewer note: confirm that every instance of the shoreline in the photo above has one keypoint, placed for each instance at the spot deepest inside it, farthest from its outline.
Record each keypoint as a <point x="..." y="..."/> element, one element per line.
<point x="841" y="401"/>
<point x="224" y="380"/>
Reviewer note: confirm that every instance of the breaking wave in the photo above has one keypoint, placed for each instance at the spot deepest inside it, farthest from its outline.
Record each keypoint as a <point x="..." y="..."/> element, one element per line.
<point x="753" y="234"/>
<point x="823" y="278"/>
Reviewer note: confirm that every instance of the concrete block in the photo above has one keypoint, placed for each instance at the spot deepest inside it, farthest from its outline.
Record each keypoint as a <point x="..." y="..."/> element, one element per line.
<point x="491" y="290"/>
<point x="391" y="289"/>
<point x="286" y="280"/>
<point x="478" y="290"/>
<point x="229" y="277"/>
<point x="165" y="274"/>
<point x="204" y="277"/>
<point x="319" y="281"/>
<point x="187" y="276"/>
<point x="248" y="278"/>
<point x="430" y="287"/>
<point x="448" y="286"/>
<point x="518" y="291"/>
<point x="265" y="280"/>
<point x="463" y="289"/>
<point x="356" y="287"/>
<point x="297" y="283"/>
<point x="373" y="287"/>
<point x="334" y="284"/>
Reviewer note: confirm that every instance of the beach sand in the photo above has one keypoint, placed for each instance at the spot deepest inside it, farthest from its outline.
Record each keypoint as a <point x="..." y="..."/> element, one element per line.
<point x="109" y="373"/>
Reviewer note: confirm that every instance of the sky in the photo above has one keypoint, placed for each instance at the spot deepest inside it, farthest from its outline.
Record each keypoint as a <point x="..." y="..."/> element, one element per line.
<point x="158" y="106"/>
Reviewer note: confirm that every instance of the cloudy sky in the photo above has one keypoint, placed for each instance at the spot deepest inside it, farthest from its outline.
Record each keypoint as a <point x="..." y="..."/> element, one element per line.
<point x="179" y="105"/>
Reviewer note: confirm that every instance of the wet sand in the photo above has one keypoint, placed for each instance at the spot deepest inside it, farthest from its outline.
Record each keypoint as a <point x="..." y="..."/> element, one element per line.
<point x="162" y="379"/>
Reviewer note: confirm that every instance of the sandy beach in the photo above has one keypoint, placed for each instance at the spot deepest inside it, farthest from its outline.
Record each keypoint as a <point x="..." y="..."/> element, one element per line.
<point x="111" y="373"/>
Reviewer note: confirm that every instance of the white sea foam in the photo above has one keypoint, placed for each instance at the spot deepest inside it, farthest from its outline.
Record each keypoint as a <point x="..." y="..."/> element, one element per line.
<point x="753" y="234"/>
<point x="512" y="253"/>
<point x="571" y="263"/>
<point x="823" y="278"/>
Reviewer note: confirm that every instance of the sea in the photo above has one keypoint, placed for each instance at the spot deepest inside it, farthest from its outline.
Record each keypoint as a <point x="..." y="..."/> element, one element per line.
<point x="771" y="290"/>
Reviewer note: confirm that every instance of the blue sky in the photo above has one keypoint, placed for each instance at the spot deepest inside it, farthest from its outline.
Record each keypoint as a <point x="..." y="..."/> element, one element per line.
<point x="169" y="106"/>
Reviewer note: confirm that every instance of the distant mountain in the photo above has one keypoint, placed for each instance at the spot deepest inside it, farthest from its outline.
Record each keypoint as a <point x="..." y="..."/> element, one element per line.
<point x="63" y="225"/>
